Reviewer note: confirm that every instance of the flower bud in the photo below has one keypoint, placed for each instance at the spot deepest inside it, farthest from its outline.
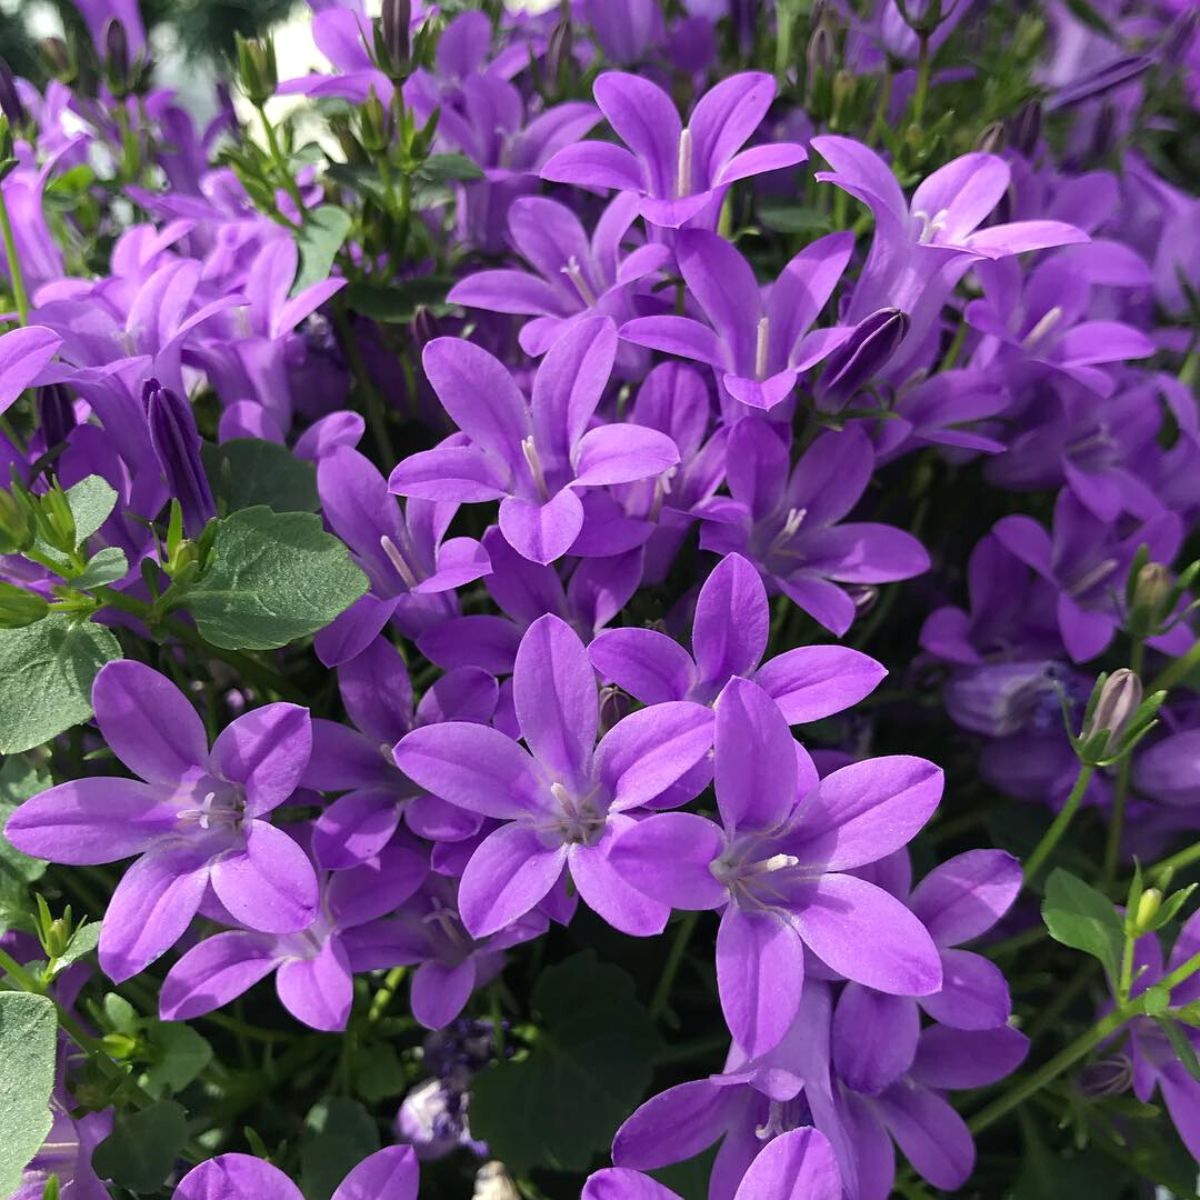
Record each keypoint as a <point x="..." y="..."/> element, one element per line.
<point x="1119" y="699"/>
<point x="1100" y="81"/>
<point x="257" y="70"/>
<point x="821" y="55"/>
<point x="1025" y="128"/>
<point x="560" y="48"/>
<point x="1149" y="903"/>
<point x="176" y="443"/>
<point x="116" y="59"/>
<point x="10" y="98"/>
<point x="861" y="356"/>
<point x="374" y="125"/>
<point x="1152" y="596"/>
<point x="16" y="524"/>
<point x="56" y="522"/>
<point x="56" y="414"/>
<point x="59" y="60"/>
<point x="394" y="21"/>
<point x="993" y="138"/>
<point x="19" y="608"/>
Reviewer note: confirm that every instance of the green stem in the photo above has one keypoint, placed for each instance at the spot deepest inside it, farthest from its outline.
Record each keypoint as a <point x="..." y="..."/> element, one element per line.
<point x="1053" y="835"/>
<point x="20" y="295"/>
<point x="662" y="993"/>
<point x="922" y="92"/>
<point x="280" y="162"/>
<point x="1177" y="861"/>
<point x="881" y="108"/>
<point x="376" y="409"/>
<point x="1176" y="671"/>
<point x="383" y="997"/>
<point x="1116" y="827"/>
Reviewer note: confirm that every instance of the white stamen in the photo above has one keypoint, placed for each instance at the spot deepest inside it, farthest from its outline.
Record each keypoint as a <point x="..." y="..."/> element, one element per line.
<point x="760" y="347"/>
<point x="397" y="560"/>
<point x="795" y="519"/>
<point x="574" y="272"/>
<point x="1043" y="327"/>
<point x="683" y="169"/>
<point x="529" y="449"/>
<point x="1090" y="579"/>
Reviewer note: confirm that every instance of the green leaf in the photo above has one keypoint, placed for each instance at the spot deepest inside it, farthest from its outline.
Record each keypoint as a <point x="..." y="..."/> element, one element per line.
<point x="180" y="1054"/>
<point x="339" y="1134"/>
<point x="46" y="673"/>
<point x="1182" y="1046"/>
<point x="588" y="1068"/>
<point x="448" y="168"/>
<point x="319" y="240"/>
<point x="28" y="1039"/>
<point x="1156" y="1000"/>
<point x="1079" y="916"/>
<point x="399" y="303"/>
<point x="141" y="1151"/>
<point x="361" y="179"/>
<point x="120" y="1014"/>
<point x="378" y="1073"/>
<point x="83" y="941"/>
<point x="788" y="217"/>
<point x="246" y="472"/>
<point x="1171" y="906"/>
<point x="105" y="566"/>
<point x="92" y="501"/>
<point x="271" y="578"/>
<point x="18" y="781"/>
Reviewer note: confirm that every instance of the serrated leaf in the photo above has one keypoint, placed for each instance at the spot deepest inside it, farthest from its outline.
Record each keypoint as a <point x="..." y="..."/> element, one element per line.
<point x="105" y="566"/>
<point x="271" y="578"/>
<point x="1079" y="916"/>
<point x="246" y="472"/>
<point x="142" y="1149"/>
<point x="180" y="1054"/>
<point x="28" y="1040"/>
<point x="339" y="1134"/>
<point x="394" y="304"/>
<point x="46" y="674"/>
<point x="319" y="239"/>
<point x="587" y="1070"/>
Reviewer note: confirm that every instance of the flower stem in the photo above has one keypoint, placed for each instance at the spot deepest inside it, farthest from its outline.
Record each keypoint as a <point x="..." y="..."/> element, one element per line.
<point x="662" y="993"/>
<point x="20" y="295"/>
<point x="1053" y="835"/>
<point x="922" y="92"/>
<point x="1176" y="672"/>
<point x="1116" y="827"/>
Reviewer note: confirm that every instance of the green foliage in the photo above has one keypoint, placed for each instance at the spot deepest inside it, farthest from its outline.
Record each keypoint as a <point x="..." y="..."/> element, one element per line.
<point x="396" y="304"/>
<point x="587" y="1069"/>
<point x="319" y="239"/>
<point x="141" y="1150"/>
<point x="1079" y="916"/>
<point x="105" y="566"/>
<point x="28" y="1037"/>
<point x="46" y="674"/>
<point x="271" y="578"/>
<point x="245" y="472"/>
<point x="338" y="1134"/>
<point x="177" y="1056"/>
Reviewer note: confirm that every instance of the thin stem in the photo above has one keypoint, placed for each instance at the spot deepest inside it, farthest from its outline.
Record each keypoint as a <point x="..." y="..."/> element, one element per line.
<point x="280" y="162"/>
<point x="922" y="92"/>
<point x="1053" y="835"/>
<point x="1176" y="671"/>
<point x="662" y="993"/>
<point x="383" y="997"/>
<point x="1116" y="827"/>
<point x="1177" y="861"/>
<point x="879" y="124"/>
<point x="20" y="295"/>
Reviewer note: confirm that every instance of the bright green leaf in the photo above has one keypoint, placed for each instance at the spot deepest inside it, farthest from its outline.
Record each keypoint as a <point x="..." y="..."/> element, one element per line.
<point x="46" y="673"/>
<point x="180" y="1054"/>
<point x="105" y="566"/>
<point x="1079" y="916"/>
<point x="1182" y="1046"/>
<point x="319" y="240"/>
<point x="399" y="303"/>
<point x="92" y="501"/>
<point x="1171" y="906"/>
<point x="271" y="578"/>
<point x="246" y="472"/>
<point x="339" y="1134"/>
<point x="28" y="1040"/>
<point x="1156" y="1000"/>
<point x="587" y="1070"/>
<point x="142" y="1149"/>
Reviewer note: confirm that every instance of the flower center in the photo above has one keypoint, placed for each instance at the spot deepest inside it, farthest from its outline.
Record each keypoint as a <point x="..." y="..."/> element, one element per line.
<point x="1049" y="319"/>
<point x="217" y="805"/>
<point x="529" y="449"/>
<point x="683" y="167"/>
<point x="581" y="819"/>
<point x="574" y="272"/>
<point x="397" y="559"/>
<point x="760" y="347"/>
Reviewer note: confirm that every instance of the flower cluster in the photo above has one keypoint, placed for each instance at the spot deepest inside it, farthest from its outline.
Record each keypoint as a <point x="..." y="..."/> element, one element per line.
<point x="609" y="479"/>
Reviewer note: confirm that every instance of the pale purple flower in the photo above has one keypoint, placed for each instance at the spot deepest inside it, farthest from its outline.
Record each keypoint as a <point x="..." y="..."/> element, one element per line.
<point x="23" y="355"/>
<point x="388" y="1174"/>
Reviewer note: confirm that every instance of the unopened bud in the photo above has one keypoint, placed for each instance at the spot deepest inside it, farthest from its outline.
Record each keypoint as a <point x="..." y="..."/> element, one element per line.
<point x="116" y="59"/>
<point x="16" y="524"/>
<point x="862" y="355"/>
<point x="560" y="48"/>
<point x="1119" y="699"/>
<point x="10" y="98"/>
<point x="1149" y="903"/>
<point x="1099" y="82"/>
<point x="56" y="521"/>
<point x="176" y="443"/>
<point x="374" y="125"/>
<point x="395" y="19"/>
<point x="821" y="54"/>
<point x="58" y="938"/>
<point x="56" y="414"/>
<point x="993" y="139"/>
<point x="1025" y="128"/>
<point x="19" y="608"/>
<point x="59" y="60"/>
<point x="258" y="72"/>
<point x="1152" y="590"/>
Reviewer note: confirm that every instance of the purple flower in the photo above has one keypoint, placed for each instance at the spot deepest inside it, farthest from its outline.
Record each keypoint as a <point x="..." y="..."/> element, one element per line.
<point x="681" y="174"/>
<point x="564" y="800"/>
<point x="67" y="1154"/>
<point x="312" y="966"/>
<point x="787" y="523"/>
<point x="199" y="819"/>
<point x="23" y="355"/>
<point x="758" y="348"/>
<point x="798" y="1165"/>
<point x="777" y="867"/>
<point x="625" y="30"/>
<point x="534" y="456"/>
<point x="388" y="1174"/>
<point x="729" y="637"/>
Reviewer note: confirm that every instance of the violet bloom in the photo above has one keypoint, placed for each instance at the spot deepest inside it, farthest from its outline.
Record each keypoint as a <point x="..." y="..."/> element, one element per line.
<point x="377" y="693"/>
<point x="428" y="931"/>
<point x="798" y="1165"/>
<point x="388" y="1174"/>
<point x="681" y="174"/>
<point x="565" y="799"/>
<point x="67" y="1154"/>
<point x="789" y="522"/>
<point x="24" y="353"/>
<point x="625" y="30"/>
<point x="1087" y="561"/>
<point x="757" y="347"/>
<point x="412" y="567"/>
<point x="313" y="972"/>
<point x="729" y="636"/>
<point x="575" y="276"/>
<point x="200" y="818"/>
<point x="534" y="456"/>
<point x="875" y="1036"/>
<point x="776" y="867"/>
<point x="1169" y="771"/>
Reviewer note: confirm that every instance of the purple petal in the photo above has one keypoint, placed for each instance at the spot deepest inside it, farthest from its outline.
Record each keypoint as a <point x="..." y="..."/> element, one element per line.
<point x="1018" y="237"/>
<point x="974" y="993"/>
<point x="269" y="885"/>
<point x="622" y="454"/>
<point x="732" y="621"/>
<point x="952" y="1059"/>
<point x="148" y="722"/>
<point x="508" y="875"/>
<point x="680" y="336"/>
<point x="755" y="759"/>
<point x="866" y="810"/>
<point x="506" y="292"/>
<point x="542" y="533"/>
<point x="474" y="767"/>
<point x="645" y="119"/>
<point x="966" y="895"/>
<point x="596" y="164"/>
<point x="758" y="160"/>
<point x="874" y="1038"/>
<point x="460" y="561"/>
<point x="674" y="1125"/>
<point x="554" y="692"/>
<point x="799" y="1165"/>
<point x="354" y="828"/>
<point x="618" y="1183"/>
<point x="649" y="665"/>
<point x="23" y="355"/>
<point x="962" y="194"/>
<point x="266" y="751"/>
<point x="812" y="682"/>
<point x="642" y="755"/>
<point x="389" y="1174"/>
<point x="825" y="602"/>
<point x="760" y="973"/>
<point x="318" y="991"/>
<point x="667" y="857"/>
<point x="723" y="284"/>
<point x="440" y="992"/>
<point x="802" y="290"/>
<point x="931" y="1135"/>
<point x="236" y="1177"/>
<point x="568" y="386"/>
<point x="757" y="466"/>
<point x="604" y="890"/>
<point x="215" y="972"/>
<point x="461" y="474"/>
<point x="725" y="117"/>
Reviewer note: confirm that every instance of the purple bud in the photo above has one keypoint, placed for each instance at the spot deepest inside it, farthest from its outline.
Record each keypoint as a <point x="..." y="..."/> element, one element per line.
<point x="396" y="16"/>
<point x="1095" y="83"/>
<point x="116" y="53"/>
<point x="1120" y="698"/>
<point x="176" y="443"/>
<point x="56" y="414"/>
<point x="1025" y="128"/>
<point x="858" y="359"/>
<point x="993" y="138"/>
<point x="10" y="98"/>
<point x="559" y="48"/>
